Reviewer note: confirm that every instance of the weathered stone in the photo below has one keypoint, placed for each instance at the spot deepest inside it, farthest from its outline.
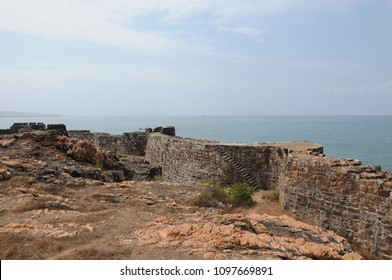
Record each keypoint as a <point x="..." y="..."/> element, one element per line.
<point x="281" y="238"/>
<point x="169" y="130"/>
<point x="4" y="174"/>
<point x="385" y="193"/>
<point x="6" y="142"/>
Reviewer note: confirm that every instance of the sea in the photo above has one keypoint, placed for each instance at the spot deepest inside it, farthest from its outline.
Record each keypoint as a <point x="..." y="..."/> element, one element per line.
<point x="367" y="138"/>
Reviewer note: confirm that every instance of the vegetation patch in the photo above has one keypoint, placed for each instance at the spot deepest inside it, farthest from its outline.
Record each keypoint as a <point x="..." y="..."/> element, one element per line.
<point x="238" y="194"/>
<point x="213" y="196"/>
<point x="241" y="194"/>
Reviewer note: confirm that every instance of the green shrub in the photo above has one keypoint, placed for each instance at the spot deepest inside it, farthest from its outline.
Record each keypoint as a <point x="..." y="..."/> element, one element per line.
<point x="236" y="194"/>
<point x="212" y="196"/>
<point x="241" y="194"/>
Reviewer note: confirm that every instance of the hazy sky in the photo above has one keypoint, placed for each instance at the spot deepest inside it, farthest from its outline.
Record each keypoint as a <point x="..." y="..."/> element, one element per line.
<point x="187" y="57"/>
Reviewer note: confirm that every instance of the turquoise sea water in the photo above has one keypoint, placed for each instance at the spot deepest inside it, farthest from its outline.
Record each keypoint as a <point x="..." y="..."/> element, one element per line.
<point x="362" y="137"/>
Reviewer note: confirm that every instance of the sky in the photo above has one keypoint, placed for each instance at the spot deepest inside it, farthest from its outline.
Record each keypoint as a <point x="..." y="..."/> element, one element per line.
<point x="196" y="57"/>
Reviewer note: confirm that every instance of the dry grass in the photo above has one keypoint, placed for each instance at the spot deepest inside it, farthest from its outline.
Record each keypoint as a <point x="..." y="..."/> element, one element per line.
<point x="48" y="188"/>
<point x="4" y="191"/>
<point x="29" y="205"/>
<point x="48" y="246"/>
<point x="87" y="218"/>
<point x="94" y="207"/>
<point x="272" y="195"/>
<point x="14" y="182"/>
<point x="212" y="196"/>
<point x="87" y="254"/>
<point x="19" y="247"/>
<point x="39" y="203"/>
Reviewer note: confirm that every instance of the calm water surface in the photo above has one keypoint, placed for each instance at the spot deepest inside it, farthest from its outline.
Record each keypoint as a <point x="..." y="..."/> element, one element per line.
<point x="366" y="138"/>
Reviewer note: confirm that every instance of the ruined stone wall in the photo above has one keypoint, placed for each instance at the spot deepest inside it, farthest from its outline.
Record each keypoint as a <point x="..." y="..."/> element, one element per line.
<point x="7" y="131"/>
<point x="32" y="126"/>
<point x="343" y="196"/>
<point x="184" y="159"/>
<point x="262" y="163"/>
<point x="133" y="143"/>
<point x="19" y="127"/>
<point x="188" y="159"/>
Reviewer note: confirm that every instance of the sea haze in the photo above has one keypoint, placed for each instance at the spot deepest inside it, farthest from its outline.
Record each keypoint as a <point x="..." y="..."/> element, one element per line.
<point x="367" y="138"/>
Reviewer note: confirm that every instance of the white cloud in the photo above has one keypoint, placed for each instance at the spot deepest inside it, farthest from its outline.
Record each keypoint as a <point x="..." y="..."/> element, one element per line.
<point x="103" y="21"/>
<point x="77" y="20"/>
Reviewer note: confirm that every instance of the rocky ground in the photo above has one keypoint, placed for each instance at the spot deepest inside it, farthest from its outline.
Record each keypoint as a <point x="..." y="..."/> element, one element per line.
<point x="62" y="198"/>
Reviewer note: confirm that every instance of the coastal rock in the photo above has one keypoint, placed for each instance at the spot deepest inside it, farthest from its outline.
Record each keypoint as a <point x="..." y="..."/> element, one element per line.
<point x="107" y="166"/>
<point x="33" y="228"/>
<point x="265" y="236"/>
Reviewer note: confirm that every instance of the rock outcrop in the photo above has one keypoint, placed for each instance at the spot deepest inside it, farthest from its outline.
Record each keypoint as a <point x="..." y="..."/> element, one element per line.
<point x="84" y="151"/>
<point x="246" y="237"/>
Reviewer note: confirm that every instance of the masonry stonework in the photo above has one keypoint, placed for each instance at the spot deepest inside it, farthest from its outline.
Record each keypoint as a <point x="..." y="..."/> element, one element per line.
<point x="341" y="195"/>
<point x="188" y="159"/>
<point x="132" y="143"/>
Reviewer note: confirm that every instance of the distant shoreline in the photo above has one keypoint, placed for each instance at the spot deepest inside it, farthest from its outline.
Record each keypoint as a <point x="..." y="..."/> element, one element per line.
<point x="12" y="114"/>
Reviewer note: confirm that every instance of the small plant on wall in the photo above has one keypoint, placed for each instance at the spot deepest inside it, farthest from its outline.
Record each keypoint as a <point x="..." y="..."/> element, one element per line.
<point x="241" y="194"/>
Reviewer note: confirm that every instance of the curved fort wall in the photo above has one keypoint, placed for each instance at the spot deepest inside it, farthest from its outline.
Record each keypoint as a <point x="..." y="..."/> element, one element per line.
<point x="188" y="159"/>
<point x="341" y="195"/>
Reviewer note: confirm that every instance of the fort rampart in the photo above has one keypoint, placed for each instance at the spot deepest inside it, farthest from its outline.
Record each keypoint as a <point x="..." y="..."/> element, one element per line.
<point x="352" y="200"/>
<point x="187" y="159"/>
<point x="341" y="195"/>
<point x="132" y="143"/>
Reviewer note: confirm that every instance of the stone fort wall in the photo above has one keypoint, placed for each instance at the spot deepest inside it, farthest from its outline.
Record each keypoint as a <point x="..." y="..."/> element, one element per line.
<point x="132" y="143"/>
<point x="352" y="200"/>
<point x="341" y="195"/>
<point x="188" y="159"/>
<point x="32" y="126"/>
